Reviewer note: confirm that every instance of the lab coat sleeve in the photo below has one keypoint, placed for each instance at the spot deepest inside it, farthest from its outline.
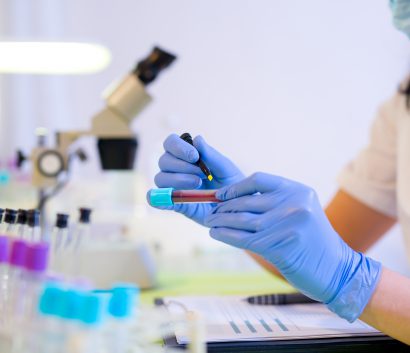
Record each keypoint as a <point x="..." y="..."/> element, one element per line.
<point x="371" y="176"/>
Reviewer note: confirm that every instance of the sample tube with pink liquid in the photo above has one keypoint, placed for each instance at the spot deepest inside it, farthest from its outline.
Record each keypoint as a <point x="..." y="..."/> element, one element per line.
<point x="170" y="196"/>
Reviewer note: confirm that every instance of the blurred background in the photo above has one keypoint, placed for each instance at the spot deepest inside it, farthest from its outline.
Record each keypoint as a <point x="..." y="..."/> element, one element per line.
<point x="286" y="87"/>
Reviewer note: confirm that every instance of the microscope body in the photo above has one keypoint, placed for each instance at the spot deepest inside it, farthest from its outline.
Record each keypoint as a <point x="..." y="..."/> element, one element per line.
<point x="116" y="141"/>
<point x="117" y="146"/>
<point x="124" y="103"/>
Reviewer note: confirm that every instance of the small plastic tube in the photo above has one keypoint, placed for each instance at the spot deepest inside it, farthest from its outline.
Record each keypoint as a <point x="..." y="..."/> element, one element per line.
<point x="46" y="333"/>
<point x="82" y="230"/>
<point x="60" y="234"/>
<point x="34" y="277"/>
<point x="16" y="262"/>
<point x="33" y="231"/>
<point x="58" y="309"/>
<point x="91" y="321"/>
<point x="78" y="239"/>
<point x="21" y="223"/>
<point x="4" y="245"/>
<point x="170" y="196"/>
<point x="4" y="253"/>
<point x="9" y="221"/>
<point x="117" y="336"/>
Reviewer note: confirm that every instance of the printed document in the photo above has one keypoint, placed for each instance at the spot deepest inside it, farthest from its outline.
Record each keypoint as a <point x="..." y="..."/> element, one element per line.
<point x="231" y="318"/>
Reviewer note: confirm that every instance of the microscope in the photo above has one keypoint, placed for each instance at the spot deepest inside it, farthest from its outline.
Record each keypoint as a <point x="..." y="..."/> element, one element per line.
<point x="117" y="147"/>
<point x="116" y="142"/>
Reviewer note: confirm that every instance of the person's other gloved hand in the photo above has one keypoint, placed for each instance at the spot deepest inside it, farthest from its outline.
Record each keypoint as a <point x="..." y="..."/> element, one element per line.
<point x="283" y="221"/>
<point x="178" y="170"/>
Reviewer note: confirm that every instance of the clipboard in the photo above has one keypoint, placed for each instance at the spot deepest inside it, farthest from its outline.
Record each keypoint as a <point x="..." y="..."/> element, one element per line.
<point x="373" y="344"/>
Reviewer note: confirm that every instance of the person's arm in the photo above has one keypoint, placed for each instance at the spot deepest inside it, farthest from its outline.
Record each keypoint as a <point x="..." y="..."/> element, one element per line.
<point x="389" y="308"/>
<point x="358" y="225"/>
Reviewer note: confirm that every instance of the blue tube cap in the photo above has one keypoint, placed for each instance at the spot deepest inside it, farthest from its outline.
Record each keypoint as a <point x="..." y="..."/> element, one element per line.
<point x="91" y="313"/>
<point x="50" y="299"/>
<point x="161" y="197"/>
<point x="121" y="303"/>
<point x="70" y="309"/>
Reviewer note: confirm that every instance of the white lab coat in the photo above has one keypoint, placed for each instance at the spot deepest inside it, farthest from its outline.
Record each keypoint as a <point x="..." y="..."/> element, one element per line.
<point x="380" y="175"/>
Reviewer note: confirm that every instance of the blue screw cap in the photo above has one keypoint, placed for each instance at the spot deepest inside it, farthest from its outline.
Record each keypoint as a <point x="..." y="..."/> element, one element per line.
<point x="123" y="300"/>
<point x="70" y="308"/>
<point x="161" y="197"/>
<point x="50" y="299"/>
<point x="121" y="303"/>
<point x="91" y="313"/>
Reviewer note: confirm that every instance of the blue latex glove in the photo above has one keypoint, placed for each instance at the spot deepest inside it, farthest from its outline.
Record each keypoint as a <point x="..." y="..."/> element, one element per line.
<point x="179" y="171"/>
<point x="283" y="221"/>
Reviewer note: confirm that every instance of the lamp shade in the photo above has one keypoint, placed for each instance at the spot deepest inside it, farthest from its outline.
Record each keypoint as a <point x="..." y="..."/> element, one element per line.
<point x="52" y="57"/>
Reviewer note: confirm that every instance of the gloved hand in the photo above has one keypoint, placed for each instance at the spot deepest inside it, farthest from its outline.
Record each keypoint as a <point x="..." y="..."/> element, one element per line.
<point x="179" y="171"/>
<point x="283" y="221"/>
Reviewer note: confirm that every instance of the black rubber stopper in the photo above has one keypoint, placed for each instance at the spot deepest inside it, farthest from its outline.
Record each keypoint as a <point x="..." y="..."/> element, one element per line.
<point x="62" y="220"/>
<point x="33" y="218"/>
<point x="85" y="214"/>
<point x="10" y="216"/>
<point x="22" y="216"/>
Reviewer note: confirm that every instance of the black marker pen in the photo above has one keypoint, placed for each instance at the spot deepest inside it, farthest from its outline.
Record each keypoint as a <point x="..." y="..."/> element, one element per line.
<point x="280" y="299"/>
<point x="188" y="138"/>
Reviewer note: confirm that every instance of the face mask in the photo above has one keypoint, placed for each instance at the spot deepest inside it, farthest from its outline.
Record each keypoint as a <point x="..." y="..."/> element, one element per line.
<point x="401" y="15"/>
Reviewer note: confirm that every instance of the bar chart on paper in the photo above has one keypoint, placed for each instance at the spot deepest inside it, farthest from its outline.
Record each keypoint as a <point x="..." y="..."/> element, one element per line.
<point x="230" y="318"/>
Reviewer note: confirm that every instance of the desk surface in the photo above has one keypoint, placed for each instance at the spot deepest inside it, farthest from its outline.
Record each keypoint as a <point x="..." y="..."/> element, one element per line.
<point x="251" y="283"/>
<point x="218" y="283"/>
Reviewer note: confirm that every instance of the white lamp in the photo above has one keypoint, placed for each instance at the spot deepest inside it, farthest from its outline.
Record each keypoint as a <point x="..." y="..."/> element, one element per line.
<point x="52" y="57"/>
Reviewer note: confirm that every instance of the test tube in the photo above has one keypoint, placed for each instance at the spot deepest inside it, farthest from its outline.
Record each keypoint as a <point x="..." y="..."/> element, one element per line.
<point x="4" y="250"/>
<point x="21" y="223"/>
<point x="79" y="237"/>
<point x="33" y="278"/>
<point x="33" y="231"/>
<point x="17" y="259"/>
<point x="49" y="332"/>
<point x="58" y="313"/>
<point x="60" y="232"/>
<point x="91" y="320"/>
<point x="120" y="307"/>
<point x="170" y="196"/>
<point x="9" y="219"/>
<point x="82" y="231"/>
<point x="4" y="253"/>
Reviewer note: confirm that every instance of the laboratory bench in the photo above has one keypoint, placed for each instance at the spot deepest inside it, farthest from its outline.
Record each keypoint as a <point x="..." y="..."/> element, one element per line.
<point x="254" y="283"/>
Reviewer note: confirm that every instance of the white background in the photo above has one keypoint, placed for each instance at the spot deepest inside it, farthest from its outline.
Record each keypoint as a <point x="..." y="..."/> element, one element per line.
<point x="286" y="87"/>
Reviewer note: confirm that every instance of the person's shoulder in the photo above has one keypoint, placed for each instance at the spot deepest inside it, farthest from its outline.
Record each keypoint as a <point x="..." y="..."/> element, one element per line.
<point x="397" y="105"/>
<point x="405" y="83"/>
<point x="390" y="113"/>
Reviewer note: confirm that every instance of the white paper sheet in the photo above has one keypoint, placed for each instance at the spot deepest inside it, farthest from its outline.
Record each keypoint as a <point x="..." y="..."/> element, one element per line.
<point x="230" y="318"/>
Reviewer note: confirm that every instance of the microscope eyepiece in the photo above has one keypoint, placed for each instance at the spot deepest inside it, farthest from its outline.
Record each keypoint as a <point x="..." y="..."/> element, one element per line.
<point x="149" y="68"/>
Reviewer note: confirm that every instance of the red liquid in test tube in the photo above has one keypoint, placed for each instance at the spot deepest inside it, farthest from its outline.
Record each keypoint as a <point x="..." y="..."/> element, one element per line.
<point x="194" y="196"/>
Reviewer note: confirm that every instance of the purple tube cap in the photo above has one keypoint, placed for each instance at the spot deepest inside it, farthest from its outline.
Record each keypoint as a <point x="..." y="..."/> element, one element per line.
<point x="4" y="248"/>
<point x="18" y="253"/>
<point x="37" y="257"/>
